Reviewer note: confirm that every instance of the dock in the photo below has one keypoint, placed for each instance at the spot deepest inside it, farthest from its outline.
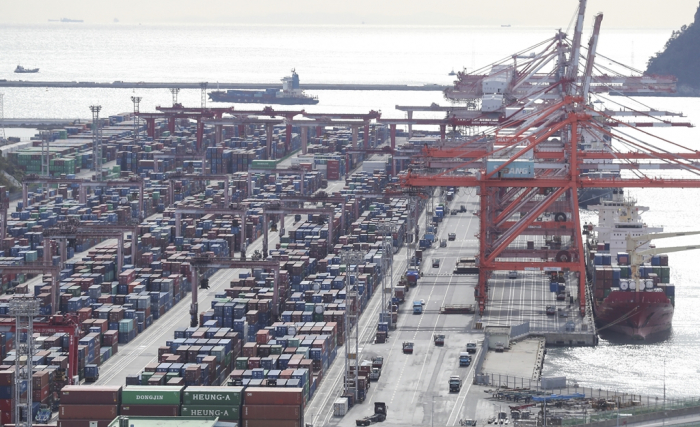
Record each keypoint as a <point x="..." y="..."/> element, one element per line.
<point x="223" y="86"/>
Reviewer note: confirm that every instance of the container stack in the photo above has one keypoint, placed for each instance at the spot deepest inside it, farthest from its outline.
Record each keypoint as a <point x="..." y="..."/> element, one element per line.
<point x="152" y="401"/>
<point x="81" y="406"/>
<point x="273" y="407"/>
<point x="7" y="396"/>
<point x="222" y="402"/>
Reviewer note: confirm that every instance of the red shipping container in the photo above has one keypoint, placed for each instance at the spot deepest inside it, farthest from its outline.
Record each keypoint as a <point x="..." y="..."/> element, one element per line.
<point x="7" y="378"/>
<point x="40" y="379"/>
<point x="6" y="417"/>
<point x="151" y="410"/>
<point x="271" y="423"/>
<point x="6" y="405"/>
<point x="94" y="395"/>
<point x="262" y="337"/>
<point x="87" y="412"/>
<point x="40" y="394"/>
<point x="264" y="412"/>
<point x="273" y="396"/>
<point x="82" y="423"/>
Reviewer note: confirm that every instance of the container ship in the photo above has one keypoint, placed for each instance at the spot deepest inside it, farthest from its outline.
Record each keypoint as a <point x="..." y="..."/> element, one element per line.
<point x="290" y="94"/>
<point x="632" y="300"/>
<point x="21" y="69"/>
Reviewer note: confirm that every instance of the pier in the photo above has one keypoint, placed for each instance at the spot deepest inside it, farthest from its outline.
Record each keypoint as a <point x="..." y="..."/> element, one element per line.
<point x="223" y="86"/>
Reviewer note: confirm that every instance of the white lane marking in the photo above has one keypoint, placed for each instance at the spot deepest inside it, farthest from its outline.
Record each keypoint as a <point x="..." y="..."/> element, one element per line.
<point x="465" y="390"/>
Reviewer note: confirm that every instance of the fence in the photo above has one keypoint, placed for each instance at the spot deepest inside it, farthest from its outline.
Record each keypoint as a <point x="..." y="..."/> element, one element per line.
<point x="519" y="330"/>
<point x="631" y="405"/>
<point x="480" y="359"/>
<point x="646" y="408"/>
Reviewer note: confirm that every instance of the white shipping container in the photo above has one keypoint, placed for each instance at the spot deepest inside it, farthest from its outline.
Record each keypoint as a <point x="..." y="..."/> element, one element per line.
<point x="340" y="407"/>
<point x="372" y="165"/>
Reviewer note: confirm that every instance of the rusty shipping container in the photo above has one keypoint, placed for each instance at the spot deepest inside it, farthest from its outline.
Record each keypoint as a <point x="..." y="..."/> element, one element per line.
<point x="151" y="410"/>
<point x="273" y="396"/>
<point x="277" y="412"/>
<point x="87" y="412"/>
<point x="82" y="423"/>
<point x="270" y="423"/>
<point x="90" y="395"/>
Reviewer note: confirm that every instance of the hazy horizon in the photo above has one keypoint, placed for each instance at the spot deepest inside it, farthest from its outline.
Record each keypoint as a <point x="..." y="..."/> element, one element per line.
<point x="531" y="13"/>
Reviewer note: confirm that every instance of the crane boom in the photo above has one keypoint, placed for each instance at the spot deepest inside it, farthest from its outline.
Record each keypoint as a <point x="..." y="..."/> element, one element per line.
<point x="572" y="70"/>
<point x="637" y="256"/>
<point x="590" y="60"/>
<point x="655" y="251"/>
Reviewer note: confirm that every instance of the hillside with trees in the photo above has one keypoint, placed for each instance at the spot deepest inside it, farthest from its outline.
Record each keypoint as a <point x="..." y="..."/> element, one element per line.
<point x="681" y="58"/>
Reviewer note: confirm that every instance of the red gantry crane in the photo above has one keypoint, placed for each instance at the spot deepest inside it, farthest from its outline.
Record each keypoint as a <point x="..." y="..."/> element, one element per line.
<point x="528" y="182"/>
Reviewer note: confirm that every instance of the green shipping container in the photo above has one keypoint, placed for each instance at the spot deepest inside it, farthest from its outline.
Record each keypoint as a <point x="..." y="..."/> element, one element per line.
<point x="264" y="164"/>
<point x="152" y="395"/>
<point x="224" y="412"/>
<point x="145" y="376"/>
<point x="242" y="363"/>
<point x="227" y="396"/>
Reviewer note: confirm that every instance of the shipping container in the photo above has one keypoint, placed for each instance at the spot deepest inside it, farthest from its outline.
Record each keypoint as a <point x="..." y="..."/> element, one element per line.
<point x="151" y="410"/>
<point x="212" y="395"/>
<point x="223" y="412"/>
<point x="83" y="423"/>
<point x="273" y="396"/>
<point x="87" y="412"/>
<point x="90" y="395"/>
<point x="270" y="423"/>
<point x="276" y="412"/>
<point x="153" y="395"/>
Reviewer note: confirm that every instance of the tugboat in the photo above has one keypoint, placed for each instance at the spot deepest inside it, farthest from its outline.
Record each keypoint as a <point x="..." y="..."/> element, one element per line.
<point x="291" y="94"/>
<point x="21" y="69"/>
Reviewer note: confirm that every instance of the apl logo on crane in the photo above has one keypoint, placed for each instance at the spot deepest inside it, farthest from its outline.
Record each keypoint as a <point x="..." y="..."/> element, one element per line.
<point x="515" y="169"/>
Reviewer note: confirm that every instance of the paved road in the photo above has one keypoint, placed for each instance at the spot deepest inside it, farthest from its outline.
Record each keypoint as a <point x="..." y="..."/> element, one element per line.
<point x="415" y="386"/>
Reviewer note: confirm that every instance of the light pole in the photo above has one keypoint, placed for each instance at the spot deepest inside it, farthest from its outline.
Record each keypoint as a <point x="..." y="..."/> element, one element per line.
<point x="387" y="231"/>
<point x="352" y="325"/>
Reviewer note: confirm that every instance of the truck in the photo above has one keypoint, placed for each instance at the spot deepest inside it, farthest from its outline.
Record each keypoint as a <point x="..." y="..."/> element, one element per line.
<point x="455" y="383"/>
<point x="439" y="339"/>
<point x="464" y="359"/>
<point x="374" y="374"/>
<point x="408" y="347"/>
<point x="92" y="373"/>
<point x="471" y="347"/>
<point x="417" y="307"/>
<point x="378" y="416"/>
<point x="457" y="309"/>
<point x="378" y="362"/>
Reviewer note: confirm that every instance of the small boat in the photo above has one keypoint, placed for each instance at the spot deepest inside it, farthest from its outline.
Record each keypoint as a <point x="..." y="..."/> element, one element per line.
<point x="21" y="69"/>
<point x="452" y="73"/>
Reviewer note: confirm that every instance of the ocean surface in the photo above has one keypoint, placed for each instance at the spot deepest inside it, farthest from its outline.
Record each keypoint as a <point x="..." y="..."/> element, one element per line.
<point x="369" y="54"/>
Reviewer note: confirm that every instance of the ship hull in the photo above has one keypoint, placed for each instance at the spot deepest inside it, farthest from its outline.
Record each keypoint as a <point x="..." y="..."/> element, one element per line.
<point x="638" y="315"/>
<point x="247" y="98"/>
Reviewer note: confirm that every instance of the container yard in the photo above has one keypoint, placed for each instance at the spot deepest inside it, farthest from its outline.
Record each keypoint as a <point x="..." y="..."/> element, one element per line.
<point x="259" y="267"/>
